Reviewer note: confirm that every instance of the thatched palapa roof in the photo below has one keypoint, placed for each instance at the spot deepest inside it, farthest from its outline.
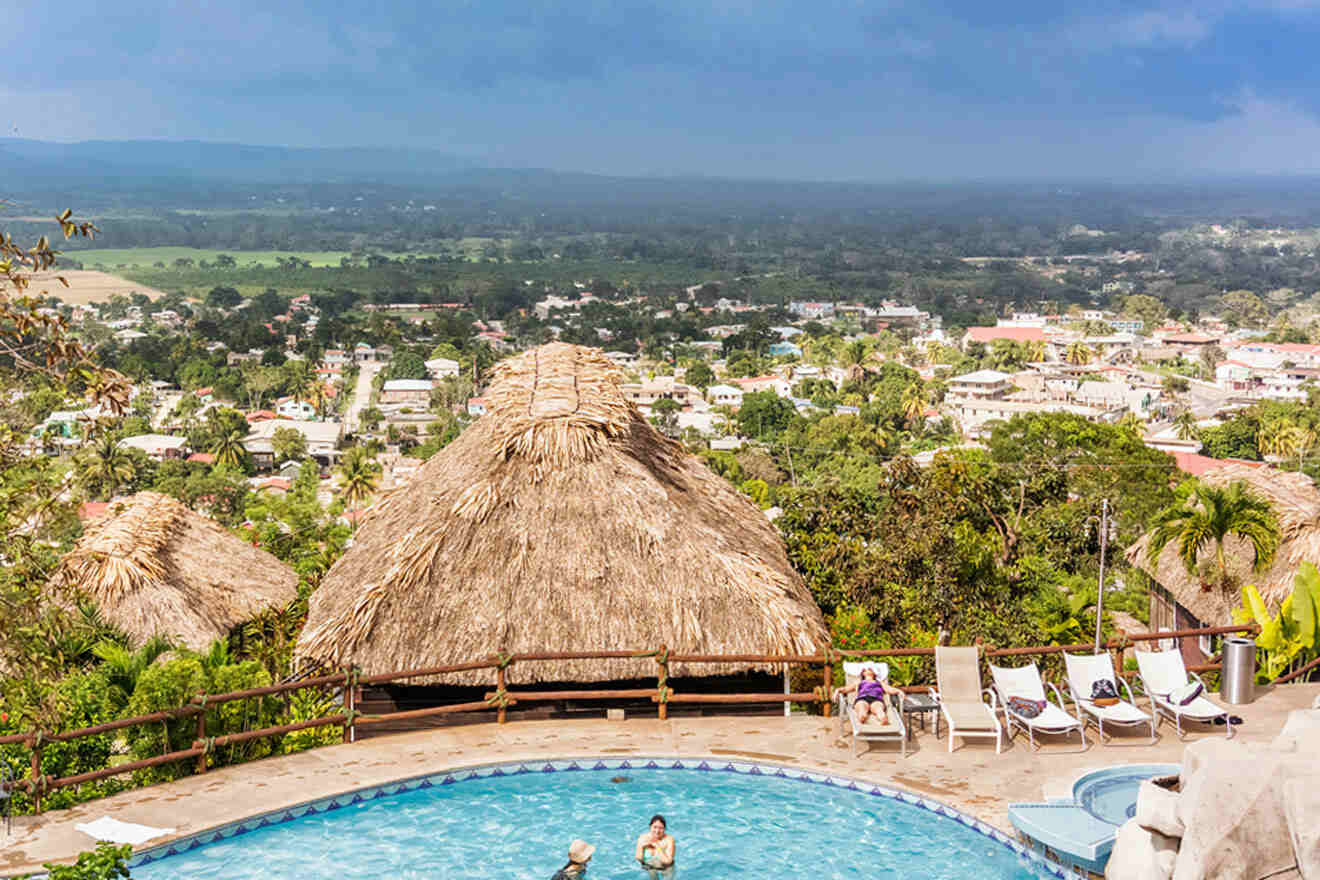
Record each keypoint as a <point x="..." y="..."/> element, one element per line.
<point x="153" y="566"/>
<point x="1296" y="503"/>
<point x="560" y="521"/>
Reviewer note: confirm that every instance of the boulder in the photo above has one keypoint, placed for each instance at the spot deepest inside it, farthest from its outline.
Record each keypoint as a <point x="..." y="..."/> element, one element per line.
<point x="1232" y="810"/>
<point x="1300" y="730"/>
<point x="1157" y="810"/>
<point x="1301" y="806"/>
<point x="1139" y="854"/>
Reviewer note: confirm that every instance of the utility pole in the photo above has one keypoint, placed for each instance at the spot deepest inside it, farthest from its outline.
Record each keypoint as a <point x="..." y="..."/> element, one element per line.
<point x="1100" y="594"/>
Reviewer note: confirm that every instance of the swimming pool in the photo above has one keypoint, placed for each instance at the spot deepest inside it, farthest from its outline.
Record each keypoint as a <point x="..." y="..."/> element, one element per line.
<point x="1111" y="794"/>
<point x="514" y="822"/>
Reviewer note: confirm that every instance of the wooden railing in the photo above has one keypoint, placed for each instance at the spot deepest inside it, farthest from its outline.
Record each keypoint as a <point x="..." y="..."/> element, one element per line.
<point x="499" y="699"/>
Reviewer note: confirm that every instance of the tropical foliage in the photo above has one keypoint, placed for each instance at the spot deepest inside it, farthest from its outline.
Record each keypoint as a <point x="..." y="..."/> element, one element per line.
<point x="1207" y="516"/>
<point x="1292" y="636"/>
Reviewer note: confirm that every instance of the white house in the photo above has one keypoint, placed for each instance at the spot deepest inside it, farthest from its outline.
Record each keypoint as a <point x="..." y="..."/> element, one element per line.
<point x="980" y="385"/>
<point x="725" y="395"/>
<point x="157" y="446"/>
<point x="476" y="406"/>
<point x="322" y="439"/>
<point x="289" y="408"/>
<point x="438" y="368"/>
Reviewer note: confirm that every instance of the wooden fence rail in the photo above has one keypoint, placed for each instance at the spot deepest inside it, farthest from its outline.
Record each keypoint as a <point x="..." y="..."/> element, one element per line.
<point x="348" y="682"/>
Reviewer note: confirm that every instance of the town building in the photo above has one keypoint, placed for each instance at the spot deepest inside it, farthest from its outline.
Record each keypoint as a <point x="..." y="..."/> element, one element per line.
<point x="157" y="447"/>
<point x="405" y="391"/>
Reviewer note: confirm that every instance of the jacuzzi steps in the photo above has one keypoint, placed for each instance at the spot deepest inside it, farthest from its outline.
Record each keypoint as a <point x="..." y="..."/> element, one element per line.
<point x="1068" y="830"/>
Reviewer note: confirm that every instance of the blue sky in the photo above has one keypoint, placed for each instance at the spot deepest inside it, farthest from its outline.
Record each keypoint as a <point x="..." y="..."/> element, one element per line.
<point x="877" y="90"/>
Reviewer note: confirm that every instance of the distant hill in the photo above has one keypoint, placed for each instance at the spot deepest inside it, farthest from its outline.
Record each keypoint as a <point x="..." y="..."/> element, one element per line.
<point x="235" y="163"/>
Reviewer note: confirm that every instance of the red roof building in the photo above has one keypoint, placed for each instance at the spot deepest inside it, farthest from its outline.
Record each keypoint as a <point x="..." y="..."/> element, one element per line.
<point x="1015" y="334"/>
<point x="1194" y="465"/>
<point x="203" y="457"/>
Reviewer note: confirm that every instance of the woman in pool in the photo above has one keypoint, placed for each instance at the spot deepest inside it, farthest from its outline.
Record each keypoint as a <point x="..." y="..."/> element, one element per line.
<point x="871" y="696"/>
<point x="579" y="853"/>
<point x="656" y="848"/>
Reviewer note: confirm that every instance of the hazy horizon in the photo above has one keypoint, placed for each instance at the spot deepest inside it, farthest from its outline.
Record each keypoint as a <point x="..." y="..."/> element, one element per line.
<point x="843" y="91"/>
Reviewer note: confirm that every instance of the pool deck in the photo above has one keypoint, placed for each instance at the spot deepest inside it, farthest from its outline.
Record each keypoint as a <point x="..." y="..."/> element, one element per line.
<point x="972" y="778"/>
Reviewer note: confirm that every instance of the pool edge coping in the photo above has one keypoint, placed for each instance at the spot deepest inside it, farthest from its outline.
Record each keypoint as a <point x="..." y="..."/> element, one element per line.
<point x="181" y="843"/>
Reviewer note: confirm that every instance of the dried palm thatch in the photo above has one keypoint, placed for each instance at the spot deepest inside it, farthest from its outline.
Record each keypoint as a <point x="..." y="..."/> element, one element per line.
<point x="1296" y="503"/>
<point x="560" y="521"/>
<point x="155" y="567"/>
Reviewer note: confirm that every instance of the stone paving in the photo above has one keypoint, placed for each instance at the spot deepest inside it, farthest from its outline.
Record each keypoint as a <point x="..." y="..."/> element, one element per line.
<point x="972" y="778"/>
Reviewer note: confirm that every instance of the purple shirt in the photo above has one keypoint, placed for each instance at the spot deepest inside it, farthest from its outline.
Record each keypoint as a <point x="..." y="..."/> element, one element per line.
<point x="867" y="688"/>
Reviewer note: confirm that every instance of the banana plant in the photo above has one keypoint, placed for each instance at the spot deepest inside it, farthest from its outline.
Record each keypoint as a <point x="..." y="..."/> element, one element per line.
<point x="1291" y="635"/>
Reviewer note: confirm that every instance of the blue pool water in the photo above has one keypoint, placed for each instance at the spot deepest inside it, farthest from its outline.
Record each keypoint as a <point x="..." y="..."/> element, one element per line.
<point x="517" y="826"/>
<point x="1111" y="794"/>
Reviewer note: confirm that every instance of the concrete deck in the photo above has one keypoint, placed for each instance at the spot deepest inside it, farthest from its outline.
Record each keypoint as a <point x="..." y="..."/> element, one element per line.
<point x="972" y="778"/>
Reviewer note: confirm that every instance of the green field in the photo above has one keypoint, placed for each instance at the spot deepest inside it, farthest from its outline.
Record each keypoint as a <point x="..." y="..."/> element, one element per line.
<point x="110" y="259"/>
<point x="116" y="258"/>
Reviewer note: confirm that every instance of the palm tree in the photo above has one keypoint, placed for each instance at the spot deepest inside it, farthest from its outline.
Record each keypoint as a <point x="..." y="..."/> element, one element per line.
<point x="108" y="466"/>
<point x="914" y="402"/>
<point x="852" y="357"/>
<point x="1185" y="426"/>
<point x="317" y="397"/>
<point x="1209" y="515"/>
<point x="1034" y="350"/>
<point x="359" y="475"/>
<point x="123" y="666"/>
<point x="1131" y="422"/>
<point x="1078" y="353"/>
<point x="1279" y="438"/>
<point x="228" y="450"/>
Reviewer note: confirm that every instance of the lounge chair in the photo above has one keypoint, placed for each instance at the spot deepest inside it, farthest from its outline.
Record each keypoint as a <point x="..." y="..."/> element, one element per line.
<point x="871" y="730"/>
<point x="1162" y="673"/>
<point x="1084" y="670"/>
<point x="1025" y="682"/>
<point x="962" y="703"/>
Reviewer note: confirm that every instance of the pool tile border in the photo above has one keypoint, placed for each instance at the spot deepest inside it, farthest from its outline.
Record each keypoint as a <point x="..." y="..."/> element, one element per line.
<point x="489" y="770"/>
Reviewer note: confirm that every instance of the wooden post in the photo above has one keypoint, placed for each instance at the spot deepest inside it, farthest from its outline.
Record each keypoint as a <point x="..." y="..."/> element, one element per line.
<point x="828" y="706"/>
<point x="350" y="684"/>
<point x="662" y="680"/>
<point x="201" y="735"/>
<point x="34" y="743"/>
<point x="501" y="714"/>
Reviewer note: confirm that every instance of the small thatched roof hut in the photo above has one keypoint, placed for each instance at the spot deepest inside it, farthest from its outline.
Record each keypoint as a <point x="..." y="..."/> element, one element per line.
<point x="153" y="566"/>
<point x="560" y="521"/>
<point x="1296" y="503"/>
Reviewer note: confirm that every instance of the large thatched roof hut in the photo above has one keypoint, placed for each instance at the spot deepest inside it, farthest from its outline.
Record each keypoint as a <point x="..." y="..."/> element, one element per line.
<point x="153" y="566"/>
<point x="1296" y="503"/>
<point x="560" y="521"/>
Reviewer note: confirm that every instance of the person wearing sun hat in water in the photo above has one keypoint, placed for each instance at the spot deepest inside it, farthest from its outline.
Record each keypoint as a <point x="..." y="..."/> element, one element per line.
<point x="579" y="853"/>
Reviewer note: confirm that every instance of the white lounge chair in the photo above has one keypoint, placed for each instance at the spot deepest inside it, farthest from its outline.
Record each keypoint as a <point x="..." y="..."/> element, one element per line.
<point x="962" y="701"/>
<point x="1084" y="670"/>
<point x="1025" y="681"/>
<point x="871" y="730"/>
<point x="1162" y="673"/>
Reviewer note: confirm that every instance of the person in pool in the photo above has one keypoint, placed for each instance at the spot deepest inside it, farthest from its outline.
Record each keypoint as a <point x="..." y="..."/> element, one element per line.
<point x="579" y="853"/>
<point x="871" y="696"/>
<point x="656" y="848"/>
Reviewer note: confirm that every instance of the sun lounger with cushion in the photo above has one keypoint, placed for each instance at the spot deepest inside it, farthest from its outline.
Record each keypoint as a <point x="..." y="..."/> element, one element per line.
<point x="872" y="730"/>
<point x="1162" y="673"/>
<point x="1025" y="682"/>
<point x="1084" y="670"/>
<point x="962" y="701"/>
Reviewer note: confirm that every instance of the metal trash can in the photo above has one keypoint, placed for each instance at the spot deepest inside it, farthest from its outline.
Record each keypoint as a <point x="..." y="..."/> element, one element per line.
<point x="1237" y="679"/>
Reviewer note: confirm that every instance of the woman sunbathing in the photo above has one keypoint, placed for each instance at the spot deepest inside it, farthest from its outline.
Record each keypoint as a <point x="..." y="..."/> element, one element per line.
<point x="872" y="694"/>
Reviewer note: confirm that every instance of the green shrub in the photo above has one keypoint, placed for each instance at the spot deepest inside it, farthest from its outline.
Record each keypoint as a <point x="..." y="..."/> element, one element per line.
<point x="106" y="862"/>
